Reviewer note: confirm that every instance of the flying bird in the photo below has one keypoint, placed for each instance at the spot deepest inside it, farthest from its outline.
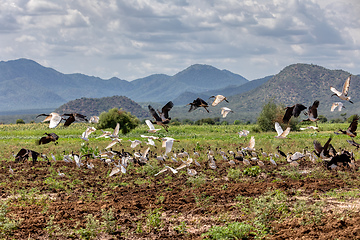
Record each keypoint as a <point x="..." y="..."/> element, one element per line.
<point x="53" y="118"/>
<point x="310" y="127"/>
<point x="351" y="131"/>
<point x="198" y="103"/>
<point x="340" y="105"/>
<point x="218" y="99"/>
<point x="243" y="133"/>
<point x="94" y="119"/>
<point x="324" y="152"/>
<point x="312" y="113"/>
<point x="164" y="119"/>
<point x="294" y="110"/>
<point x="72" y="117"/>
<point x="280" y="132"/>
<point x="343" y="95"/>
<point x="134" y="143"/>
<point x="151" y="129"/>
<point x="50" y="137"/>
<point x="225" y="111"/>
<point x="88" y="131"/>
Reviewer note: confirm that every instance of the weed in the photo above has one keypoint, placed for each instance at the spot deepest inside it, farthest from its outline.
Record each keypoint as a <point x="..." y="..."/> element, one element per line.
<point x="153" y="220"/>
<point x="252" y="171"/>
<point x="196" y="181"/>
<point x="7" y="225"/>
<point x="181" y="228"/>
<point x="235" y="230"/>
<point x="234" y="174"/>
<point x="92" y="228"/>
<point x="109" y="223"/>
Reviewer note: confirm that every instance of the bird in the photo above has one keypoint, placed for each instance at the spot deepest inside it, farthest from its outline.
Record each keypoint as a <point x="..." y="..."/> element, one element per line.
<point x="243" y="133"/>
<point x="151" y="129"/>
<point x="198" y="103"/>
<point x="94" y="119"/>
<point x="88" y="131"/>
<point x="113" y="142"/>
<point x="312" y="113"/>
<point x="251" y="145"/>
<point x="218" y="99"/>
<point x="24" y="154"/>
<point x="309" y="127"/>
<point x="323" y="151"/>
<point x="72" y="117"/>
<point x="340" y="105"/>
<point x="225" y="111"/>
<point x="174" y="171"/>
<point x="164" y="120"/>
<point x="134" y="143"/>
<point x="168" y="143"/>
<point x="50" y="137"/>
<point x="343" y="95"/>
<point x="294" y="110"/>
<point x="351" y="130"/>
<point x="355" y="144"/>
<point x="115" y="133"/>
<point x="281" y="133"/>
<point x="54" y="119"/>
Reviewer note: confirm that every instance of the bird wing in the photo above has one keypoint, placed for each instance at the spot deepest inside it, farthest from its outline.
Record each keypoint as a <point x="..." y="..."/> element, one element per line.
<point x="335" y="91"/>
<point x="252" y="142"/>
<point x="286" y="132"/>
<point x="69" y="120"/>
<point x="353" y="125"/>
<point x="54" y="136"/>
<point x="114" y="171"/>
<point x="298" y="109"/>
<point x="161" y="171"/>
<point x="55" y="120"/>
<point x="150" y="125"/>
<point x="218" y="99"/>
<point x="113" y="142"/>
<point x="201" y="102"/>
<point x="288" y="114"/>
<point x="327" y="144"/>
<point x="346" y="86"/>
<point x="165" y="110"/>
<point x="313" y="110"/>
<point x="225" y="111"/>
<point x="154" y="113"/>
<point x="333" y="106"/>
<point x="79" y="117"/>
<point x="168" y="145"/>
<point x="116" y="130"/>
<point x="278" y="128"/>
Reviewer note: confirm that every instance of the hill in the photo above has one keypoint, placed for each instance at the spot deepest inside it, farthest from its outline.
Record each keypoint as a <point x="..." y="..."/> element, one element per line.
<point x="95" y="106"/>
<point x="25" y="84"/>
<point x="297" y="83"/>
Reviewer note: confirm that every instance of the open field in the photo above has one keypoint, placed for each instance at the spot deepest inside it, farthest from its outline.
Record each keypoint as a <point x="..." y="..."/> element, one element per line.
<point x="237" y="201"/>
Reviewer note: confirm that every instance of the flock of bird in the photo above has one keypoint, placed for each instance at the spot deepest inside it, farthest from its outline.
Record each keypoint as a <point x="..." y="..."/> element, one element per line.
<point x="183" y="159"/>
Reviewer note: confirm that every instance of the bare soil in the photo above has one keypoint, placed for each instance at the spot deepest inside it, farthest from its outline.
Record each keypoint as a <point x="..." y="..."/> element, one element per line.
<point x="132" y="195"/>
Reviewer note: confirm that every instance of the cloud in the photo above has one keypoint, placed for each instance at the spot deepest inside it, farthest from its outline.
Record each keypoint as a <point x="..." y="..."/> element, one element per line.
<point x="135" y="38"/>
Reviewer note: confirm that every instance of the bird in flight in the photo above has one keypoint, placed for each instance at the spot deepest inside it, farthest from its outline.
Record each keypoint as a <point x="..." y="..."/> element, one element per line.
<point x="294" y="110"/>
<point x="218" y="99"/>
<point x="343" y="95"/>
<point x="198" y="103"/>
<point x="72" y="117"/>
<point x="50" y="137"/>
<point x="164" y="118"/>
<point x="53" y="118"/>
<point x="351" y="131"/>
<point x="281" y="133"/>
<point x="151" y="129"/>
<point x="225" y="111"/>
<point x="340" y="105"/>
<point x="312" y="113"/>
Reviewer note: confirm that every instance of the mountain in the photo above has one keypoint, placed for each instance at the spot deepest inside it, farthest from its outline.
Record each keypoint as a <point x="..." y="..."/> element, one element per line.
<point x="187" y="97"/>
<point x="26" y="84"/>
<point x="95" y="106"/>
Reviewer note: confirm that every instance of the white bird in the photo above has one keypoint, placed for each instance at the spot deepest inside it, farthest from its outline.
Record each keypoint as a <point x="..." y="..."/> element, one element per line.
<point x="53" y="157"/>
<point x="88" y="131"/>
<point x="168" y="143"/>
<point x="337" y="104"/>
<point x="11" y="171"/>
<point x="89" y="165"/>
<point x="251" y="145"/>
<point x="225" y="111"/>
<point x="280" y="132"/>
<point x="134" y="143"/>
<point x="105" y="134"/>
<point x="218" y="99"/>
<point x="273" y="161"/>
<point x="94" y="119"/>
<point x="61" y="174"/>
<point x="115" y="133"/>
<point x="191" y="172"/>
<point x="243" y="133"/>
<point x="174" y="171"/>
<point x="212" y="164"/>
<point x="309" y="127"/>
<point x="151" y="127"/>
<point x="113" y="142"/>
<point x="343" y="95"/>
<point x="53" y="118"/>
<point x="150" y="139"/>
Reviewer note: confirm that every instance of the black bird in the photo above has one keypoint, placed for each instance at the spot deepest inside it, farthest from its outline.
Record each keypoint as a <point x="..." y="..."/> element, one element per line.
<point x="50" y="137"/>
<point x="198" y="103"/>
<point x="312" y="113"/>
<point x="24" y="154"/>
<point x="281" y="152"/>
<point x="355" y="144"/>
<point x="72" y="117"/>
<point x="164" y="114"/>
<point x="344" y="158"/>
<point x="294" y="110"/>
<point x="351" y="131"/>
<point x="158" y="120"/>
<point x="326" y="151"/>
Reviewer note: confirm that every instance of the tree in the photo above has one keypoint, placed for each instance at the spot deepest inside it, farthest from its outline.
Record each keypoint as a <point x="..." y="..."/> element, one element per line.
<point x="113" y="116"/>
<point x="20" y="121"/>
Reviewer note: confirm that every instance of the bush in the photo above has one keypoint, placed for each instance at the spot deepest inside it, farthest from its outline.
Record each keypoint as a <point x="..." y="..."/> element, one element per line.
<point x="208" y="121"/>
<point x="113" y="116"/>
<point x="268" y="116"/>
<point x="237" y="122"/>
<point x="20" y="121"/>
<point x="235" y="230"/>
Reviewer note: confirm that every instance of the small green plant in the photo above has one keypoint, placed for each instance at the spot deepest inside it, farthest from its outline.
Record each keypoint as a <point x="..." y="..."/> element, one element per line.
<point x="196" y="181"/>
<point x="153" y="220"/>
<point x="234" y="174"/>
<point x="235" y="230"/>
<point x="92" y="228"/>
<point x="181" y="228"/>
<point x="109" y="223"/>
<point x="252" y="171"/>
<point x="7" y="225"/>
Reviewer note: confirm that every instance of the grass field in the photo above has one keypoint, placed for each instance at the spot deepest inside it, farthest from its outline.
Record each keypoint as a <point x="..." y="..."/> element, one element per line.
<point x="233" y="201"/>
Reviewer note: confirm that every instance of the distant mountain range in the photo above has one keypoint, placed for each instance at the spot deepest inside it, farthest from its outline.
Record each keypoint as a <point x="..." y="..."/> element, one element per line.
<point x="26" y="84"/>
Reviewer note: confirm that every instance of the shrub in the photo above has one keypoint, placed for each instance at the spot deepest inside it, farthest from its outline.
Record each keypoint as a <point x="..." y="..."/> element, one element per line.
<point x="235" y="230"/>
<point x="20" y="121"/>
<point x="237" y="122"/>
<point x="113" y="116"/>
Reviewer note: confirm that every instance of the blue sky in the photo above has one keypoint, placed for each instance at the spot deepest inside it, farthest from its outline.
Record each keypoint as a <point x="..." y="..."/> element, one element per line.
<point x="130" y="39"/>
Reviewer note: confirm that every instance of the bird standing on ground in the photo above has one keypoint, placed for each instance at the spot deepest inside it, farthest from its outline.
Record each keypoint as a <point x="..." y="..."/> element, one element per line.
<point x="343" y="95"/>
<point x="198" y="103"/>
<point x="294" y="110"/>
<point x="53" y="118"/>
<point x="218" y="99"/>
<point x="50" y="137"/>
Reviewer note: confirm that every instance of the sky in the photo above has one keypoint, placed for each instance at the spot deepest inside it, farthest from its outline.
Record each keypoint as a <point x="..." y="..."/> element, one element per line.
<point x="132" y="39"/>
